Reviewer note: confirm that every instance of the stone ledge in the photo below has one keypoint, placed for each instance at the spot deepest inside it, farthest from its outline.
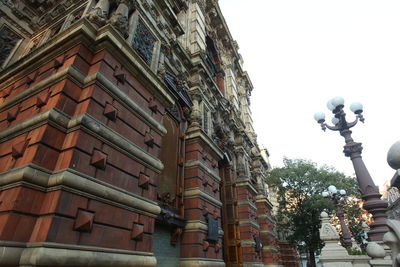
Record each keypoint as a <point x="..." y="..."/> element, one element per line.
<point x="53" y="254"/>
<point x="199" y="226"/>
<point x="198" y="164"/>
<point x="84" y="81"/>
<point x="200" y="262"/>
<point x="79" y="183"/>
<point x="88" y="124"/>
<point x="198" y="135"/>
<point x="253" y="264"/>
<point x="196" y="192"/>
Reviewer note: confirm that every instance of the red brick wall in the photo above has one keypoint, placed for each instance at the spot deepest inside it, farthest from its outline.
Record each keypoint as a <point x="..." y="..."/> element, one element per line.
<point x="30" y="214"/>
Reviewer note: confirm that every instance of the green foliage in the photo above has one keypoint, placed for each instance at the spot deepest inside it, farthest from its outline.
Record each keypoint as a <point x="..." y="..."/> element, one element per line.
<point x="353" y="251"/>
<point x="299" y="185"/>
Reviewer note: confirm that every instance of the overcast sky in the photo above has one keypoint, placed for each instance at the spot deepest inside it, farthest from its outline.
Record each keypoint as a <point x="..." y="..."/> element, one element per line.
<point x="301" y="53"/>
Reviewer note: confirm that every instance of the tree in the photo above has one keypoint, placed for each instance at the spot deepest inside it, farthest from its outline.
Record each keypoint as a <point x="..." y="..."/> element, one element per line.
<point x="299" y="185"/>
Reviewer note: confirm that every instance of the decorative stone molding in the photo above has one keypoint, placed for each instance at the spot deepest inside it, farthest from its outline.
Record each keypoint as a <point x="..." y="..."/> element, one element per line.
<point x="45" y="255"/>
<point x="392" y="239"/>
<point x="76" y="182"/>
<point x="200" y="262"/>
<point x="198" y="193"/>
<point x="332" y="254"/>
<point x="91" y="126"/>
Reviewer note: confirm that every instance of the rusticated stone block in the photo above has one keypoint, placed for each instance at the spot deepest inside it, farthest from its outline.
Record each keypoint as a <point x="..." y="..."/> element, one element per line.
<point x="99" y="159"/>
<point x="30" y="79"/>
<point x="12" y="114"/>
<point x="149" y="139"/>
<point x="153" y="105"/>
<point x="84" y="221"/>
<point x="144" y="181"/>
<point x="137" y="232"/>
<point x="217" y="247"/>
<point x="110" y="112"/>
<point x="119" y="75"/>
<point x="58" y="62"/>
<point x="206" y="245"/>
<point x="19" y="148"/>
<point x="42" y="100"/>
<point x="6" y="92"/>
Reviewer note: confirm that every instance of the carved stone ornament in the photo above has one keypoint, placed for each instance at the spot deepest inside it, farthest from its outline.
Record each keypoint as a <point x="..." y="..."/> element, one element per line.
<point x="8" y="40"/>
<point x="332" y="249"/>
<point x="143" y="42"/>
<point x="392" y="239"/>
<point x="99" y="13"/>
<point x="352" y="148"/>
<point x="327" y="231"/>
<point x="119" y="19"/>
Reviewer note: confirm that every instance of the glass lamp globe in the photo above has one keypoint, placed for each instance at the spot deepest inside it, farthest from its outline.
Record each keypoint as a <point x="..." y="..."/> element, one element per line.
<point x="329" y="105"/>
<point x="342" y="192"/>
<point x="356" y="107"/>
<point x="325" y="194"/>
<point x="319" y="117"/>
<point x="335" y="120"/>
<point x="332" y="189"/>
<point x="337" y="101"/>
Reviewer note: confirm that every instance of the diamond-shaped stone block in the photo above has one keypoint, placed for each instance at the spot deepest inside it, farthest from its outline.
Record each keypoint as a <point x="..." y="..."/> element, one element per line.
<point x="84" y="221"/>
<point x="153" y="106"/>
<point x="120" y="76"/>
<point x="217" y="247"/>
<point x="215" y="187"/>
<point x="137" y="232"/>
<point x="12" y="114"/>
<point x="42" y="100"/>
<point x="30" y="79"/>
<point x="149" y="139"/>
<point x="58" y="63"/>
<point x="18" y="149"/>
<point x="99" y="159"/>
<point x="110" y="112"/>
<point x="206" y="245"/>
<point x="6" y="92"/>
<point x="144" y="181"/>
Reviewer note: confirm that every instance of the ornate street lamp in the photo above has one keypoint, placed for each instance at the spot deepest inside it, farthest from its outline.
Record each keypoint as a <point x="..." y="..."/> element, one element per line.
<point x="370" y="192"/>
<point x="337" y="197"/>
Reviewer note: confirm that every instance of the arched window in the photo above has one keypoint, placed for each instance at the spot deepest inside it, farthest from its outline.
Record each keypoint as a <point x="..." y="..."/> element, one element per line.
<point x="169" y="156"/>
<point x="170" y="183"/>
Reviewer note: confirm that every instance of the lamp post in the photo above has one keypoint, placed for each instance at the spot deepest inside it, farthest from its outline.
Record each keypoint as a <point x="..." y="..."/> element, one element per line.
<point x="370" y="192"/>
<point x="337" y="197"/>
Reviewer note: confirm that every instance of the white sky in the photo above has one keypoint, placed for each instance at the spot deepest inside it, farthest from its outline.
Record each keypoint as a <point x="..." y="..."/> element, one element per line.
<point x="300" y="54"/>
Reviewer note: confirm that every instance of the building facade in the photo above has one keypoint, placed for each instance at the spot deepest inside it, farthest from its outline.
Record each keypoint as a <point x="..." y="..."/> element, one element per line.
<point x="126" y="138"/>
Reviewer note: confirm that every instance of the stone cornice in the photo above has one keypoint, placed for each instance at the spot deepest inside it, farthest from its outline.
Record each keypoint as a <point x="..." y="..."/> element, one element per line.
<point x="246" y="183"/>
<point x="81" y="184"/>
<point x="198" y="135"/>
<point x="247" y="203"/>
<point x="197" y="225"/>
<point x="90" y="125"/>
<point x="265" y="200"/>
<point x="268" y="232"/>
<point x="197" y="193"/>
<point x="198" y="164"/>
<point x="248" y="222"/>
